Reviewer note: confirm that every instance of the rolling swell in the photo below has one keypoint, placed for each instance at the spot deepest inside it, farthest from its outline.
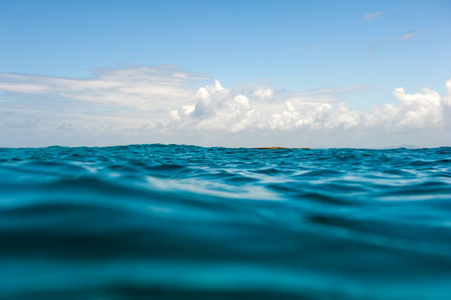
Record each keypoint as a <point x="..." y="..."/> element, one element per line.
<point x="170" y="221"/>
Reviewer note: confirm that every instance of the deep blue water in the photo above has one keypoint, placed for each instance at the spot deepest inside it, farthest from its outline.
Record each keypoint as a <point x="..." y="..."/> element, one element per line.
<point x="178" y="222"/>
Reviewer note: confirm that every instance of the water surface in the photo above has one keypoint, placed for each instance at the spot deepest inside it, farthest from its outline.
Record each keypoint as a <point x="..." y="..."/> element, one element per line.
<point x="179" y="222"/>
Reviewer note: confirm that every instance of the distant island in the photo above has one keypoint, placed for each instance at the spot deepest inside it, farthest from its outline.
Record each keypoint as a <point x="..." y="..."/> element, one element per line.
<point x="266" y="148"/>
<point x="407" y="146"/>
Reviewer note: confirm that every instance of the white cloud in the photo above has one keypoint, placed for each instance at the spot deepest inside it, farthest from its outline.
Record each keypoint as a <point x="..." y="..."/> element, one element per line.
<point x="419" y="110"/>
<point x="221" y="110"/>
<point x="447" y="99"/>
<point x="374" y="15"/>
<point x="140" y="87"/>
<point x="216" y="109"/>
<point x="328" y="95"/>
<point x="408" y="35"/>
<point x="23" y="88"/>
<point x="163" y="104"/>
<point x="174" y="115"/>
<point x="390" y="43"/>
<point x="263" y="94"/>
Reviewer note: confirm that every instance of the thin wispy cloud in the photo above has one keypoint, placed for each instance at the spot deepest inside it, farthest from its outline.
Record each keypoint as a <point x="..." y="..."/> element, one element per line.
<point x="139" y="87"/>
<point x="383" y="43"/>
<point x="408" y="35"/>
<point x="374" y="15"/>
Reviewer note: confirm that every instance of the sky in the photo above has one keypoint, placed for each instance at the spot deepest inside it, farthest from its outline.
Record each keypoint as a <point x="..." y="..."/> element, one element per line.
<point x="318" y="74"/>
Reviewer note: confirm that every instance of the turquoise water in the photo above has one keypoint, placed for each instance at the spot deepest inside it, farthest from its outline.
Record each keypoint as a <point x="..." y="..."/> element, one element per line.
<point x="179" y="222"/>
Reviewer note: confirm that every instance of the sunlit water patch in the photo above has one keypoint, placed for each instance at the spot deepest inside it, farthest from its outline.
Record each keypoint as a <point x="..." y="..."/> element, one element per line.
<point x="171" y="222"/>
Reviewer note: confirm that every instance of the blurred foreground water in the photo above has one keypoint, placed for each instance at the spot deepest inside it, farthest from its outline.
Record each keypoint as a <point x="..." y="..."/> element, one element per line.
<point x="179" y="222"/>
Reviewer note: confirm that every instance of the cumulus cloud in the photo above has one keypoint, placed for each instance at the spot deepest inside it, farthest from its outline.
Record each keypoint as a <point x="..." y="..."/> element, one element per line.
<point x="218" y="109"/>
<point x="263" y="94"/>
<point x="416" y="111"/>
<point x="153" y="103"/>
<point x="373" y="15"/>
<point x="408" y="35"/>
<point x="447" y="99"/>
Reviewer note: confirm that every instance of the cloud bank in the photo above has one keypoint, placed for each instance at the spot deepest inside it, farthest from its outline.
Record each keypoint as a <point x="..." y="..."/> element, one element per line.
<point x="139" y="87"/>
<point x="164" y="104"/>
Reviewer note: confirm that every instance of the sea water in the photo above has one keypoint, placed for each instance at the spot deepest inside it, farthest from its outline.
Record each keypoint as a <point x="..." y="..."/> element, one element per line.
<point x="179" y="222"/>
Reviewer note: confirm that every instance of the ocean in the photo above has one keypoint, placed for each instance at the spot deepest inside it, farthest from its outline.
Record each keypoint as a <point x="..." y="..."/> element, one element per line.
<point x="187" y="222"/>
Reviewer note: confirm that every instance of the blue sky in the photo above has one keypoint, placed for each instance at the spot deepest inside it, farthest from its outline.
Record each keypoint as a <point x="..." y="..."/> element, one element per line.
<point x="357" y="52"/>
